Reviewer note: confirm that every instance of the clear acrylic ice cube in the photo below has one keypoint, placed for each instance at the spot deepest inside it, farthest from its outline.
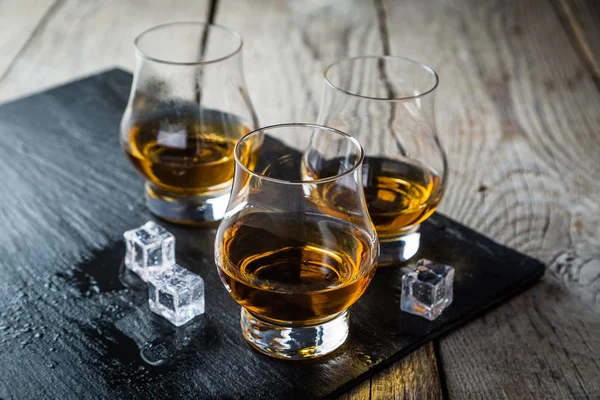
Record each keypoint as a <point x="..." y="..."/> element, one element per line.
<point x="427" y="290"/>
<point x="176" y="294"/>
<point x="148" y="247"/>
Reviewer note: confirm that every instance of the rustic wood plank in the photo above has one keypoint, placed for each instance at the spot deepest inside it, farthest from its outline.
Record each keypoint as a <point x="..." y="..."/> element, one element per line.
<point x="18" y="23"/>
<point x="305" y="39"/>
<point x="581" y="19"/>
<point x="518" y="113"/>
<point x="361" y="392"/>
<point x="80" y="37"/>
<point x="414" y="377"/>
<point x="288" y="44"/>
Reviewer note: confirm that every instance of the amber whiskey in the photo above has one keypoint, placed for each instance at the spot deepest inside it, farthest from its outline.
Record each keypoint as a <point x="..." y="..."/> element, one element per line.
<point x="399" y="194"/>
<point x="295" y="268"/>
<point x="185" y="155"/>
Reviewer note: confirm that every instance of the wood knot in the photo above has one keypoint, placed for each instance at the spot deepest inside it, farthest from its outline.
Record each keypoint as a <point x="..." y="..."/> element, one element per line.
<point x="549" y="85"/>
<point x="516" y="30"/>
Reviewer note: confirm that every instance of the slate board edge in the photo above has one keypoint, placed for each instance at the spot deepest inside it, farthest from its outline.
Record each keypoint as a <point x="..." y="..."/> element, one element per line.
<point x="535" y="275"/>
<point x="440" y="333"/>
<point x="58" y="86"/>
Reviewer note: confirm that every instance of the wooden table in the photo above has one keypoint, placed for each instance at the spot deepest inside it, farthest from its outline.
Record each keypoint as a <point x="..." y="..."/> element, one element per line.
<point x="518" y="110"/>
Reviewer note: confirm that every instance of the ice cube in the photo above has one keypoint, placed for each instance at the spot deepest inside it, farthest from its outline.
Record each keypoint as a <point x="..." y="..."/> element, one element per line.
<point x="176" y="294"/>
<point x="427" y="290"/>
<point x="148" y="247"/>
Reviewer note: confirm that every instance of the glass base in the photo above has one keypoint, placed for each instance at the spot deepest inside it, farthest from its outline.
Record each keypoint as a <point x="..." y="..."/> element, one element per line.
<point x="399" y="249"/>
<point x="190" y="210"/>
<point x="295" y="342"/>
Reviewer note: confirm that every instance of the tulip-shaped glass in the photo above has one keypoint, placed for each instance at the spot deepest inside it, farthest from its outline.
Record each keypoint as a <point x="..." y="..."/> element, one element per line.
<point x="387" y="104"/>
<point x="292" y="260"/>
<point x="187" y="109"/>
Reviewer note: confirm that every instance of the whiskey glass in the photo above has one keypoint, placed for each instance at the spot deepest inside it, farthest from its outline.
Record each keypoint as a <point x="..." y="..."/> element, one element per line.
<point x="386" y="103"/>
<point x="187" y="108"/>
<point x="292" y="261"/>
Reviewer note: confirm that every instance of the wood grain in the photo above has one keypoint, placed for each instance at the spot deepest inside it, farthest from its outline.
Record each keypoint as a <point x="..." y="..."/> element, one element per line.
<point x="17" y="27"/>
<point x="581" y="19"/>
<point x="414" y="377"/>
<point x="360" y="392"/>
<point x="289" y="44"/>
<point x="518" y="113"/>
<point x="79" y="37"/>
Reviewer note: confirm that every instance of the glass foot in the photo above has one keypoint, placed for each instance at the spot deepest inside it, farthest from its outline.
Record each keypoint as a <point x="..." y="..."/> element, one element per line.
<point x="399" y="249"/>
<point x="295" y="342"/>
<point x="188" y="210"/>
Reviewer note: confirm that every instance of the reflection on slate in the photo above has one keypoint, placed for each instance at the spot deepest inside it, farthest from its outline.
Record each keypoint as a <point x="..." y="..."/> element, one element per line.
<point x="104" y="341"/>
<point x="160" y="342"/>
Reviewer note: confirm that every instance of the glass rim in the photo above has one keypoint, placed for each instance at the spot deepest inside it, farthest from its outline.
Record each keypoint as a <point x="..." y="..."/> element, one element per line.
<point x="356" y="166"/>
<point x="146" y="56"/>
<point x="400" y="58"/>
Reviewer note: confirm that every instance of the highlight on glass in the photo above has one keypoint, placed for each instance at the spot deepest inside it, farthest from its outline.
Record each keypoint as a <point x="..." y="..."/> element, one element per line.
<point x="386" y="103"/>
<point x="296" y="247"/>
<point x="187" y="108"/>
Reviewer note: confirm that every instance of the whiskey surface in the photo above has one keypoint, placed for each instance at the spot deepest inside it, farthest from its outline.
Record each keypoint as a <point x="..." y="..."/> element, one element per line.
<point x="184" y="155"/>
<point x="295" y="268"/>
<point x="399" y="194"/>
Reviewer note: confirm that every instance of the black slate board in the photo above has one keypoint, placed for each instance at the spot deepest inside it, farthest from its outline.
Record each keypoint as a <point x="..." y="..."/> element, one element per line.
<point x="69" y="328"/>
